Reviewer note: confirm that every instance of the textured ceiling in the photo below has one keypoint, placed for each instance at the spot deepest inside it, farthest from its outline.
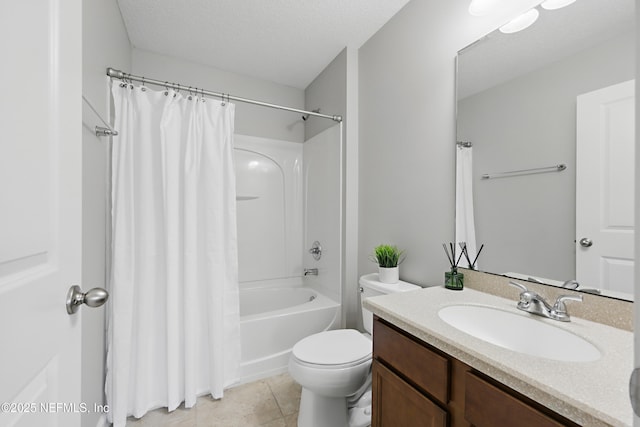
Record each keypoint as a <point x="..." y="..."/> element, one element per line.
<point x="284" y="41"/>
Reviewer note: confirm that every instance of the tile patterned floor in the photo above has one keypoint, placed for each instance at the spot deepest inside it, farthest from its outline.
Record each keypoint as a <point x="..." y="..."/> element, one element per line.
<point x="271" y="402"/>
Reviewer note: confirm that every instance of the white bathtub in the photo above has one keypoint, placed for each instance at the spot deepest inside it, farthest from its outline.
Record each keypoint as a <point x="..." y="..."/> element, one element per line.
<point x="273" y="317"/>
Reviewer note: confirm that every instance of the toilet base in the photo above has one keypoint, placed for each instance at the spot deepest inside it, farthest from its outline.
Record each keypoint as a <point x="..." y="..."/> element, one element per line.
<point x="322" y="411"/>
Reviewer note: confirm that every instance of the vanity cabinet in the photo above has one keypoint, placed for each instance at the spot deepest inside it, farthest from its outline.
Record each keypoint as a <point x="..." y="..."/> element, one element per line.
<point x="400" y="404"/>
<point x="415" y="384"/>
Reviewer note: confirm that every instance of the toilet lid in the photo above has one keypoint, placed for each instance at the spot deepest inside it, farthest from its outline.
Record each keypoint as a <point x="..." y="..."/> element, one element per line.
<point x="339" y="347"/>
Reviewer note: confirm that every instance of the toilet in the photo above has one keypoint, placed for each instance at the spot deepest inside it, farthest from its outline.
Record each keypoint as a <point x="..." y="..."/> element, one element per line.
<point x="333" y="367"/>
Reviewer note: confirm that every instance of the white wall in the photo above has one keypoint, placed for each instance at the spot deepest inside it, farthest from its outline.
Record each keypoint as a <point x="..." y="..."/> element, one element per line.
<point x="105" y="44"/>
<point x="250" y="119"/>
<point x="528" y="222"/>
<point x="407" y="131"/>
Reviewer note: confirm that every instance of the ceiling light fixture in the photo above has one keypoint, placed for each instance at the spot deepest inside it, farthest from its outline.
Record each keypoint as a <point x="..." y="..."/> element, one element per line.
<point x="521" y="22"/>
<point x="483" y="7"/>
<point x="555" y="4"/>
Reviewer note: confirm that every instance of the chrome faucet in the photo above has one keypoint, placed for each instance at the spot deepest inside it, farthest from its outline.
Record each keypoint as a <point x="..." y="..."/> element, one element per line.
<point x="571" y="284"/>
<point x="310" y="271"/>
<point x="533" y="303"/>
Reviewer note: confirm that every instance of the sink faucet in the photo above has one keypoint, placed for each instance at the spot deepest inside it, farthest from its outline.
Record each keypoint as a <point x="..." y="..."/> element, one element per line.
<point x="533" y="303"/>
<point x="311" y="271"/>
<point x="571" y="284"/>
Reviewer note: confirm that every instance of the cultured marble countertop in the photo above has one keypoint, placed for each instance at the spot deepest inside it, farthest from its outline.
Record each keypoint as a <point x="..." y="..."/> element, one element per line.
<point x="589" y="393"/>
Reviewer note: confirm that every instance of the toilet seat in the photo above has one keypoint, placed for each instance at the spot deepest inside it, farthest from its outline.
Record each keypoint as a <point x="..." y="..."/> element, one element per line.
<point x="341" y="348"/>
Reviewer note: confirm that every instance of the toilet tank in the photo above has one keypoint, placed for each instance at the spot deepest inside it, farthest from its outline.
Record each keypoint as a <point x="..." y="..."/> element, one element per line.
<point x="370" y="286"/>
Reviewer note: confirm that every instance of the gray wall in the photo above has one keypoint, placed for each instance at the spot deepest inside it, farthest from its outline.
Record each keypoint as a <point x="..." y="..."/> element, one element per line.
<point x="407" y="132"/>
<point x="528" y="222"/>
<point x="327" y="92"/>
<point x="250" y="119"/>
<point x="105" y="43"/>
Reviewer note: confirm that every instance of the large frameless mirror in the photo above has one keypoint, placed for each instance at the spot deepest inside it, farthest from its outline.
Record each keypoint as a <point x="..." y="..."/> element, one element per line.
<point x="549" y="115"/>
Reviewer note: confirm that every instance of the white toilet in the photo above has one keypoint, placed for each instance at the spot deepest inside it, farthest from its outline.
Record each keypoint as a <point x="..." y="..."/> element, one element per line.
<point x="333" y="367"/>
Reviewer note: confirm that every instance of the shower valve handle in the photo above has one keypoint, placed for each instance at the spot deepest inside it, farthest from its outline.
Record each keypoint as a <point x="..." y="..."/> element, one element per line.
<point x="316" y="250"/>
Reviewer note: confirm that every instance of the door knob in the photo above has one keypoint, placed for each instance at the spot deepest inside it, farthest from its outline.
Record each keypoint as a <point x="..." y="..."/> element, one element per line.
<point x="585" y="242"/>
<point x="93" y="298"/>
<point x="634" y="390"/>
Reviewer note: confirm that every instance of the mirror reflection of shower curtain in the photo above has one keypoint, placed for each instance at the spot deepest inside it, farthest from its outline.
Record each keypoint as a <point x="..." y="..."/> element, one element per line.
<point x="173" y="316"/>
<point x="465" y="225"/>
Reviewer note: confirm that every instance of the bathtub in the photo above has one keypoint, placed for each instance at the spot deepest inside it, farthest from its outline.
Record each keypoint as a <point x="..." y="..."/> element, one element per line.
<point x="274" y="316"/>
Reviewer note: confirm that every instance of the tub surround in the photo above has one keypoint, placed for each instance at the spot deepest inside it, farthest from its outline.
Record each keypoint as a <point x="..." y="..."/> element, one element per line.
<point x="588" y="393"/>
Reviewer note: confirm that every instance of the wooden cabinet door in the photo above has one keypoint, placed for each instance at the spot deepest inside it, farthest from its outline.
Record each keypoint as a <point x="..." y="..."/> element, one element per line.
<point x="396" y="403"/>
<point x="486" y="406"/>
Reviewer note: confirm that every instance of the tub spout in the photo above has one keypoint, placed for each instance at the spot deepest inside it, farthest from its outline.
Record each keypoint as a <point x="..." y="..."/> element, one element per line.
<point x="311" y="271"/>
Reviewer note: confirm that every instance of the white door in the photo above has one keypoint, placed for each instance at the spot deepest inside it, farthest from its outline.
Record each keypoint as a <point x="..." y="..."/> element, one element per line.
<point x="40" y="211"/>
<point x="605" y="188"/>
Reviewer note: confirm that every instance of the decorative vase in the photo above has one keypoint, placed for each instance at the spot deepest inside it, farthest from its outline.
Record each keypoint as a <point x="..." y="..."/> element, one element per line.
<point x="388" y="275"/>
<point x="454" y="280"/>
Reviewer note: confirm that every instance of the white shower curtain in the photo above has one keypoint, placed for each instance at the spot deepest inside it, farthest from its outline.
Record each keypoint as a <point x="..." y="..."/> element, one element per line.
<point x="465" y="224"/>
<point x="173" y="327"/>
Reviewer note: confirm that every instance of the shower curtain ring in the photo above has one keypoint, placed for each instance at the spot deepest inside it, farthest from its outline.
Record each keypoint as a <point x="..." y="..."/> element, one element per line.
<point x="190" y="94"/>
<point x="144" y="89"/>
<point x="222" y="99"/>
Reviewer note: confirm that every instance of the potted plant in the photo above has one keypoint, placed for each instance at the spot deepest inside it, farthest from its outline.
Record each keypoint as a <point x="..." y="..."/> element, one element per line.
<point x="388" y="258"/>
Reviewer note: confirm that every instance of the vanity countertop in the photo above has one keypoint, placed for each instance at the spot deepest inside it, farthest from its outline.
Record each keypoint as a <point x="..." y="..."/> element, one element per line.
<point x="589" y="393"/>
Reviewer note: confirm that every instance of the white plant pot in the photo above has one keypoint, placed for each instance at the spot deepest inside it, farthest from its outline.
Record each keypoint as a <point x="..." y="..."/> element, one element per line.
<point x="388" y="275"/>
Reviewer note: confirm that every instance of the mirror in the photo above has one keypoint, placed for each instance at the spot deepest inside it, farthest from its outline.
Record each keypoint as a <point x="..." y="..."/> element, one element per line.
<point x="517" y="103"/>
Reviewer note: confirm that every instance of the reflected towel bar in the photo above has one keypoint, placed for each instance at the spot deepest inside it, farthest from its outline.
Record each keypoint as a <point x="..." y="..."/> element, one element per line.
<point x="555" y="168"/>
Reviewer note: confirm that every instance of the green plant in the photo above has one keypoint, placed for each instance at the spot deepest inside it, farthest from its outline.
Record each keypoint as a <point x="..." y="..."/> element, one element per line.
<point x="387" y="256"/>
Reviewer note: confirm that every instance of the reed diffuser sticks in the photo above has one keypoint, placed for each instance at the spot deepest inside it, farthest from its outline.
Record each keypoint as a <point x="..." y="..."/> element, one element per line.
<point x="451" y="254"/>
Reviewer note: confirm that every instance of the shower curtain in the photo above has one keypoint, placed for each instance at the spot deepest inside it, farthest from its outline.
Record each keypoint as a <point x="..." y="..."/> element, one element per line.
<point x="173" y="326"/>
<point x="465" y="224"/>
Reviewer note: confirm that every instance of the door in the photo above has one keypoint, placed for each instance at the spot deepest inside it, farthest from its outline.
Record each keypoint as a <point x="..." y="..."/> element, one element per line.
<point x="605" y="188"/>
<point x="40" y="212"/>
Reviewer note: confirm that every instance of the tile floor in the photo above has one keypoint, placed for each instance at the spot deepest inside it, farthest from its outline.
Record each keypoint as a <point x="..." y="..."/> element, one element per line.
<point x="271" y="402"/>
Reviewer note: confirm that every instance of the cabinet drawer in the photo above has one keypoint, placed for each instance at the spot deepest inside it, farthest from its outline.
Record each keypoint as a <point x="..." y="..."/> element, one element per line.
<point x="425" y="368"/>
<point x="487" y="406"/>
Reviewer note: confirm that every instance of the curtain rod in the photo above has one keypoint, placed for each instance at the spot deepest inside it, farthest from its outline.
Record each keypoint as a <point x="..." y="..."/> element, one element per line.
<point x="99" y="130"/>
<point x="112" y="72"/>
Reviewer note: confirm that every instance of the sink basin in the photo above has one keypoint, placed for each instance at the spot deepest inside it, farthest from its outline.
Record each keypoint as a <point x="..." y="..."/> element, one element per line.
<point x="520" y="333"/>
